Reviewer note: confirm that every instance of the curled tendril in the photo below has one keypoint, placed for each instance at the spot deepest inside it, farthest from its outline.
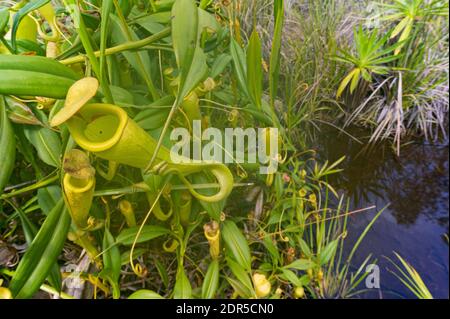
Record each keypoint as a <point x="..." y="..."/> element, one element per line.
<point x="171" y="245"/>
<point x="140" y="271"/>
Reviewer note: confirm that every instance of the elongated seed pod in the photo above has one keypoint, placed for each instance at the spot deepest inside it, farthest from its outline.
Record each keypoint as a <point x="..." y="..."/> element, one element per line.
<point x="7" y="146"/>
<point x="25" y="83"/>
<point x="36" y="64"/>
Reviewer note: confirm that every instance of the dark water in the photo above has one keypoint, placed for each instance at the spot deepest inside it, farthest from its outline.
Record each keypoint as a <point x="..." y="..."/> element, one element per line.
<point x="417" y="220"/>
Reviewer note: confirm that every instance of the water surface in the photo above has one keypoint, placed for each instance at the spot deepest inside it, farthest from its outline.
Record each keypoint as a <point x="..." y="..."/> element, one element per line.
<point x="415" y="185"/>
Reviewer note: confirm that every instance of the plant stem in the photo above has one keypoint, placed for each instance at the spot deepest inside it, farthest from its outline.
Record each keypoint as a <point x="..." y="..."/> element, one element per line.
<point x="54" y="292"/>
<point x="33" y="187"/>
<point x="127" y="46"/>
<point x="142" y="188"/>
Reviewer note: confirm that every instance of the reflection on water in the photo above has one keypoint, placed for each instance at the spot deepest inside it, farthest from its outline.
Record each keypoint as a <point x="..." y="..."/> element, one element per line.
<point x="417" y="220"/>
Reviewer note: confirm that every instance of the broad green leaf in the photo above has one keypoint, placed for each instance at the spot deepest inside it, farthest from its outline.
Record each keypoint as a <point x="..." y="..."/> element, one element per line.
<point x="158" y="17"/>
<point x="183" y="289"/>
<point x="272" y="249"/>
<point x="127" y="236"/>
<point x="27" y="8"/>
<point x="151" y="24"/>
<point x="46" y="142"/>
<point x="291" y="277"/>
<point x="239" y="288"/>
<point x="305" y="248"/>
<point x="197" y="73"/>
<point x="145" y="294"/>
<point x="240" y="65"/>
<point x="184" y="34"/>
<point x="241" y="275"/>
<point x="220" y="64"/>
<point x="301" y="264"/>
<point x="211" y="281"/>
<point x="191" y="59"/>
<point x="163" y="5"/>
<point x="236" y="244"/>
<point x="48" y="197"/>
<point x="207" y="20"/>
<point x="327" y="253"/>
<point x="254" y="69"/>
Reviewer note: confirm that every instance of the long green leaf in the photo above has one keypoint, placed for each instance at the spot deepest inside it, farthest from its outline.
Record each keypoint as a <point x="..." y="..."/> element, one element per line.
<point x="211" y="281"/>
<point x="254" y="71"/>
<point x="240" y="65"/>
<point x="242" y="276"/>
<point x="46" y="142"/>
<point x="183" y="289"/>
<point x="7" y="146"/>
<point x="40" y="257"/>
<point x="111" y="262"/>
<point x="127" y="236"/>
<point x="107" y="6"/>
<point x="30" y="231"/>
<point x="190" y="57"/>
<point x="236" y="244"/>
<point x="275" y="58"/>
<point x="301" y="264"/>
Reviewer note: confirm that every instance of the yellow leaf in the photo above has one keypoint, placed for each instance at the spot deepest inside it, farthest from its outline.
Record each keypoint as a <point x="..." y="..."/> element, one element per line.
<point x="345" y="82"/>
